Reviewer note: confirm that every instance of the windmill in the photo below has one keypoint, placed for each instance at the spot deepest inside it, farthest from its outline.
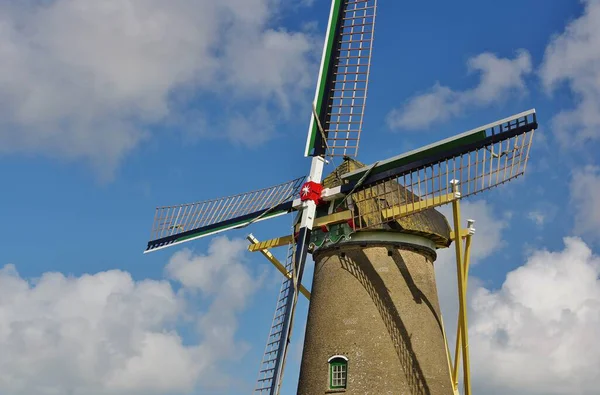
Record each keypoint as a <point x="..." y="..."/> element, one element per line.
<point x="372" y="231"/>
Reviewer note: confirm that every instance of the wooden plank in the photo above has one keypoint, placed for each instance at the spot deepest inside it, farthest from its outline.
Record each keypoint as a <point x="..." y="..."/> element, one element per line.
<point x="272" y="243"/>
<point x="397" y="211"/>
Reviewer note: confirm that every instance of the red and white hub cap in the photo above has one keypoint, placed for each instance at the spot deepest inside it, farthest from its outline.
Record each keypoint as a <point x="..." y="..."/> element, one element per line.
<point x="311" y="191"/>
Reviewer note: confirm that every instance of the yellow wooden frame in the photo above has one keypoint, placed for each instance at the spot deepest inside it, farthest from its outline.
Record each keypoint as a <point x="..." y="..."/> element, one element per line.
<point x="462" y="269"/>
<point x="278" y="265"/>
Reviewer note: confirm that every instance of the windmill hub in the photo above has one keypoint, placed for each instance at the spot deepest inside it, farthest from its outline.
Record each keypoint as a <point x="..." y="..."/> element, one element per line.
<point x="311" y="191"/>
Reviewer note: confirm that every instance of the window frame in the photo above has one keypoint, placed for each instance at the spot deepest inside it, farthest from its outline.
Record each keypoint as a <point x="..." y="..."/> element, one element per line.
<point x="335" y="361"/>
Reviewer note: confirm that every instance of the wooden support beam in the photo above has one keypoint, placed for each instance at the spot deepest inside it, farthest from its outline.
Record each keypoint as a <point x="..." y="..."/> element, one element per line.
<point x="462" y="341"/>
<point x="463" y="234"/>
<point x="399" y="210"/>
<point x="335" y="218"/>
<point x="272" y="243"/>
<point x="388" y="213"/>
<point x="267" y="254"/>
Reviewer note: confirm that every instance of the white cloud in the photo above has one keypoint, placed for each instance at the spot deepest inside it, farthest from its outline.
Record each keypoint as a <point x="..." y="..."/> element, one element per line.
<point x="537" y="217"/>
<point x="573" y="58"/>
<point x="499" y="78"/>
<point x="109" y="334"/>
<point x="543" y="213"/>
<point x="223" y="276"/>
<point x="538" y="333"/>
<point x="585" y="189"/>
<point x="83" y="80"/>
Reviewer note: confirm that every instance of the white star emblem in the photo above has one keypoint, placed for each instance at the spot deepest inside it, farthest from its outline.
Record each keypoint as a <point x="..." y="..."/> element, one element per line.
<point x="305" y="190"/>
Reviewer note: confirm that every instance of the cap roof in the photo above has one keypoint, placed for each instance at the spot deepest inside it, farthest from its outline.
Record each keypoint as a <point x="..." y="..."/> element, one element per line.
<point x="429" y="223"/>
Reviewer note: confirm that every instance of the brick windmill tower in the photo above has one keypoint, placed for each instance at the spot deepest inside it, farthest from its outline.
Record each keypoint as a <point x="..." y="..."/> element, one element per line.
<point x="374" y="323"/>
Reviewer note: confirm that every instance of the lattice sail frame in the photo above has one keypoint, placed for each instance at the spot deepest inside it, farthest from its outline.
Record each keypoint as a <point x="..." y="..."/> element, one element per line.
<point x="351" y="69"/>
<point x="342" y="88"/>
<point x="176" y="224"/>
<point x="501" y="157"/>
<point x="276" y="346"/>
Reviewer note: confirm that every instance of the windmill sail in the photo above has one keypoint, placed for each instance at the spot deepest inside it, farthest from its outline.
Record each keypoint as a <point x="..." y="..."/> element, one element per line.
<point x="480" y="159"/>
<point x="271" y="367"/>
<point x="177" y="224"/>
<point x="334" y="130"/>
<point x="342" y="86"/>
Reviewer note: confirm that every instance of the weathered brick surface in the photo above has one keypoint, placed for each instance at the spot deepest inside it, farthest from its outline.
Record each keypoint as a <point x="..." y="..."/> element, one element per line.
<point x="382" y="313"/>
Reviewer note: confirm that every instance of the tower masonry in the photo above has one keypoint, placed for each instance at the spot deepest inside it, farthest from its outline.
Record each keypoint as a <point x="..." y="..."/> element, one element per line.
<point x="374" y="322"/>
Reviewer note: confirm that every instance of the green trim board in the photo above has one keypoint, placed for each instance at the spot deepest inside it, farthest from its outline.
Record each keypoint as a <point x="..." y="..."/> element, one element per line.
<point x="334" y="17"/>
<point x="468" y="137"/>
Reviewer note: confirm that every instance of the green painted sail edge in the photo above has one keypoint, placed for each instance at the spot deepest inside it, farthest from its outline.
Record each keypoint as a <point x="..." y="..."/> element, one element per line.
<point x="472" y="135"/>
<point x="404" y="160"/>
<point x="333" y="22"/>
<point x="225" y="227"/>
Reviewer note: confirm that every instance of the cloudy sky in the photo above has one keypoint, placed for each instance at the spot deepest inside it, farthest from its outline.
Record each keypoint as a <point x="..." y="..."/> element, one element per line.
<point x="111" y="108"/>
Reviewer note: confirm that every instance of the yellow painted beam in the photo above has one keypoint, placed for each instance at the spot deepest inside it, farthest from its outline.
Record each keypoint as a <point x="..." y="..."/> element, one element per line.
<point x="330" y="219"/>
<point x="447" y="351"/>
<point x="464" y="233"/>
<point x="340" y="216"/>
<point x="459" y="345"/>
<point x="267" y="254"/>
<point x="406" y="209"/>
<point x="272" y="243"/>
<point x="388" y="213"/>
<point x="462" y="299"/>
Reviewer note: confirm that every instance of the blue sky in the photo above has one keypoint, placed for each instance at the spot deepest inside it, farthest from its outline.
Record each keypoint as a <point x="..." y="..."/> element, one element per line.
<point x="111" y="109"/>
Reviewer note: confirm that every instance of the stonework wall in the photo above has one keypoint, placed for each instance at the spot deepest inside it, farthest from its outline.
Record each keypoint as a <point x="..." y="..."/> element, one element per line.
<point x="377" y="305"/>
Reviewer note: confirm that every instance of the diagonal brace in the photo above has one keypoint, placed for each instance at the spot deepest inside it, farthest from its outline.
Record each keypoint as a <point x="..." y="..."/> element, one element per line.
<point x="462" y="261"/>
<point x="468" y="234"/>
<point x="272" y="243"/>
<point x="267" y="254"/>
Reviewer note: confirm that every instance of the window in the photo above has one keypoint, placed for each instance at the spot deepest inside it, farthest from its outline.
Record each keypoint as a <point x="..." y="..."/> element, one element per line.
<point x="338" y="371"/>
